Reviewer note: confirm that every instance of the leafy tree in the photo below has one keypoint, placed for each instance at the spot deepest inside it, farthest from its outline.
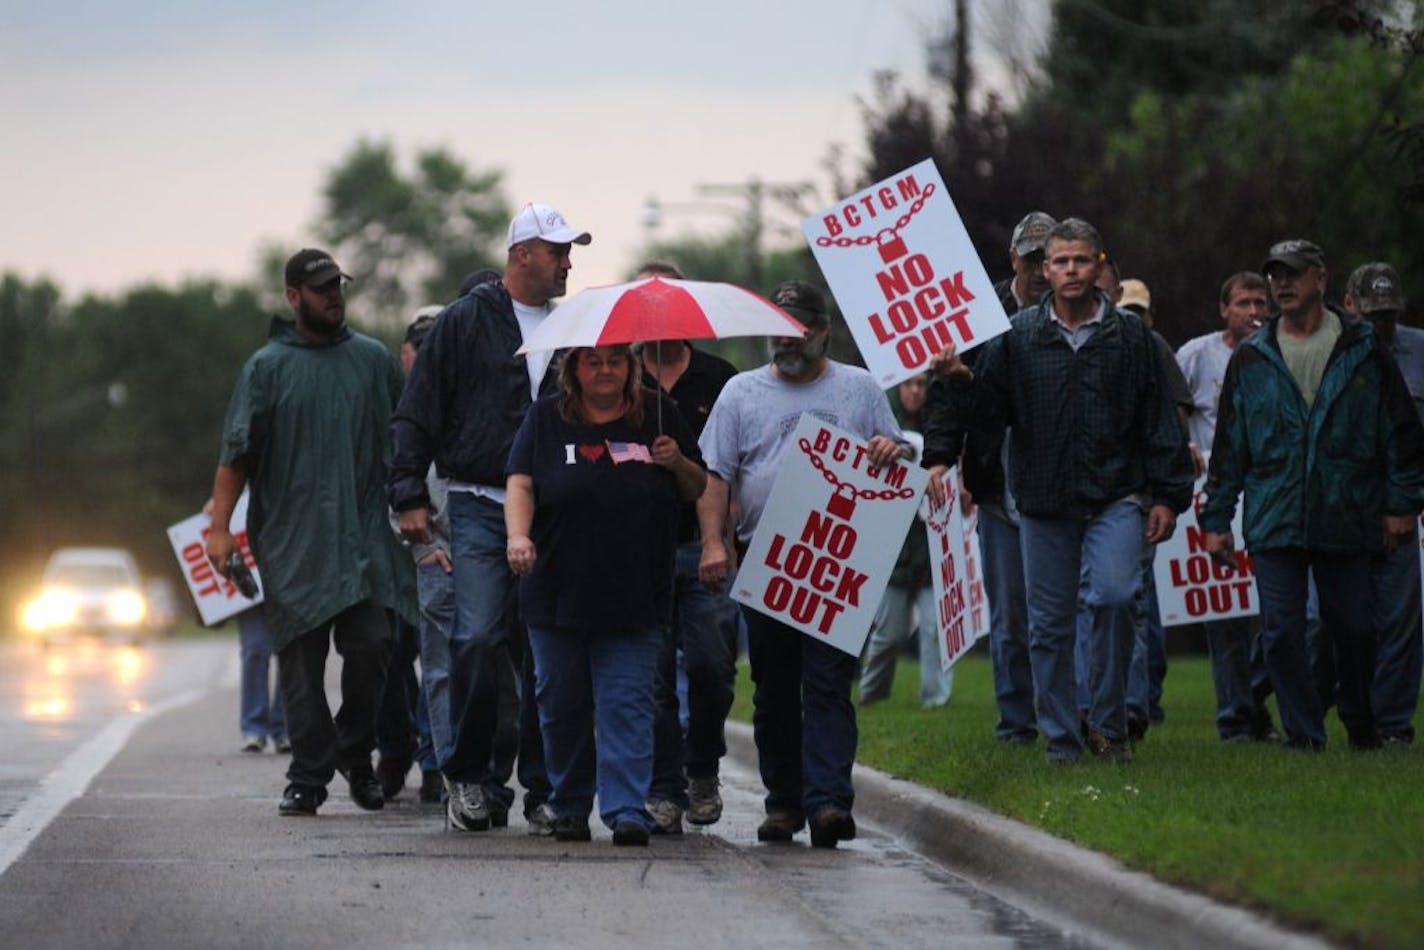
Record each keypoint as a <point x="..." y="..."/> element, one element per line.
<point x="409" y="238"/>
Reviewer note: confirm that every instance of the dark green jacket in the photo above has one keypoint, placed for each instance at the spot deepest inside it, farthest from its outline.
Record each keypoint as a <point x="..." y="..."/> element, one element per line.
<point x="312" y="421"/>
<point x="1319" y="477"/>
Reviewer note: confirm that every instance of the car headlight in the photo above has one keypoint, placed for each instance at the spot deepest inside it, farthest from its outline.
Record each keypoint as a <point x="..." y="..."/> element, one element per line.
<point x="55" y="607"/>
<point x="126" y="607"/>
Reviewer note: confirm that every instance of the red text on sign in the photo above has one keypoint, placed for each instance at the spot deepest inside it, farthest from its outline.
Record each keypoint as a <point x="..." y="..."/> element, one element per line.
<point x="869" y="207"/>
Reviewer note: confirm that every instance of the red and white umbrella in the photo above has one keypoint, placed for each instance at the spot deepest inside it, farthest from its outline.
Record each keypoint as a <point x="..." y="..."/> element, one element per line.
<point x="659" y="309"/>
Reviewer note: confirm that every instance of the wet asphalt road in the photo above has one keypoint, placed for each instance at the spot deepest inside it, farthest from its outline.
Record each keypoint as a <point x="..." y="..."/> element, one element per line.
<point x="175" y="842"/>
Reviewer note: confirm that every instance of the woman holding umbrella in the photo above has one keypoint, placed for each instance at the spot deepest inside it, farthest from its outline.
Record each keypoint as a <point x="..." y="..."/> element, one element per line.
<point x="591" y="513"/>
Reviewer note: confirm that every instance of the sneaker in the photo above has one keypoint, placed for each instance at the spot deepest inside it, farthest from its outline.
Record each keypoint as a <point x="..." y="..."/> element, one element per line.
<point x="281" y="745"/>
<point x="253" y="744"/>
<point x="570" y="828"/>
<point x="1117" y="751"/>
<point x="301" y="800"/>
<point x="634" y="834"/>
<point x="467" y="810"/>
<point x="392" y="771"/>
<point x="541" y="820"/>
<point x="667" y="816"/>
<point x="365" y="789"/>
<point x="831" y="826"/>
<point x="704" y="800"/>
<point x="779" y="826"/>
<point x="432" y="786"/>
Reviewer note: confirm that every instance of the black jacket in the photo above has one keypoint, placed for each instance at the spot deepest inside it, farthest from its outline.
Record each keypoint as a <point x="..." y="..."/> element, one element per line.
<point x="465" y="398"/>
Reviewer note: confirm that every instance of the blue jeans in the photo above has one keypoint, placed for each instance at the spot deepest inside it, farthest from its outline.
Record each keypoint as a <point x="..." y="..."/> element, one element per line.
<point x="1394" y="693"/>
<point x="262" y="712"/>
<point x="437" y="616"/>
<point x="1343" y="585"/>
<point x="889" y="630"/>
<point x="596" y="711"/>
<point x="1148" y="668"/>
<point x="802" y="718"/>
<point x="1103" y="554"/>
<point x="481" y="653"/>
<point x="704" y="628"/>
<point x="1238" y="672"/>
<point x="1008" y="625"/>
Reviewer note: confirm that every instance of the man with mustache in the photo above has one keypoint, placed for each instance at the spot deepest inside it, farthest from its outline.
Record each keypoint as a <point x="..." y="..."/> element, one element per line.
<point x="1316" y="428"/>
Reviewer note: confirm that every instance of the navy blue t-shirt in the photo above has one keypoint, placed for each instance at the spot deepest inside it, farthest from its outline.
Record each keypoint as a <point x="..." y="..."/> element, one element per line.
<point x="605" y="520"/>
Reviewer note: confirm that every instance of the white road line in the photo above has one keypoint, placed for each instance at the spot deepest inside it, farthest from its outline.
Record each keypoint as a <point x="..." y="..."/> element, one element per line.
<point x="73" y="776"/>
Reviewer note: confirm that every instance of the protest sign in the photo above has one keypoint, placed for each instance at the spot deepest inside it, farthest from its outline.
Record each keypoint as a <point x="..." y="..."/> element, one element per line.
<point x="829" y="535"/>
<point x="904" y="272"/>
<point x="217" y="597"/>
<point x="978" y="605"/>
<point x="1191" y="586"/>
<point x="944" y="529"/>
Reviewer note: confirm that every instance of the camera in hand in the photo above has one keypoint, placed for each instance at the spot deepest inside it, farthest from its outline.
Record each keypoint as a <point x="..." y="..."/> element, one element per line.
<point x="238" y="573"/>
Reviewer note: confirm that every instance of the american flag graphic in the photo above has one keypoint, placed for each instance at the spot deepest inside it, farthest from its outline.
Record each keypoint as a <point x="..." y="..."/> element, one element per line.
<point x="622" y="452"/>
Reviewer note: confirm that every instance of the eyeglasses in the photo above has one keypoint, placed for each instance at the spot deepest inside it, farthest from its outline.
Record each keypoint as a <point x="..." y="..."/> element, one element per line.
<point x="1283" y="275"/>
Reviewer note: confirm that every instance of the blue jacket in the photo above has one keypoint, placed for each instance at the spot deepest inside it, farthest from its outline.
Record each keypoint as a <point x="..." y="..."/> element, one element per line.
<point x="465" y="398"/>
<point x="1318" y="477"/>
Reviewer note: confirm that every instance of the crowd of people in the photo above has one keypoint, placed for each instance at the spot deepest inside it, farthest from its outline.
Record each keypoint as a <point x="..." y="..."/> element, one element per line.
<point x="549" y="537"/>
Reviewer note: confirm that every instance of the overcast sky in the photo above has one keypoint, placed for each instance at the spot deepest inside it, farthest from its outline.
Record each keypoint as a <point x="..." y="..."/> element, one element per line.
<point x="164" y="139"/>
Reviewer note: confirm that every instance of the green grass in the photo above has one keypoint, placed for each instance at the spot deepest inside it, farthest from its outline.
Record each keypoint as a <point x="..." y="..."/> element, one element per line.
<point x="1332" y="841"/>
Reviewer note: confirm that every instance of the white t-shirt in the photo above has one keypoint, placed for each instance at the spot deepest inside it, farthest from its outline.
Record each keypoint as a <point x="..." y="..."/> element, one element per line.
<point x="1203" y="361"/>
<point x="750" y="428"/>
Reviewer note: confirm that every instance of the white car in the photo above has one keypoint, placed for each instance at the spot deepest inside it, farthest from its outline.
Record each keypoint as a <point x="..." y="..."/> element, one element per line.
<point x="89" y="590"/>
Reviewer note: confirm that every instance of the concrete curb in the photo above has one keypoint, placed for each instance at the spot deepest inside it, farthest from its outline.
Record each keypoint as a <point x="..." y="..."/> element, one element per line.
<point x="1079" y="890"/>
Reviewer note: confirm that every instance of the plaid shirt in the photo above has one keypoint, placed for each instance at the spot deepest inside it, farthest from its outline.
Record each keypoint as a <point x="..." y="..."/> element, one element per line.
<point x="1090" y="426"/>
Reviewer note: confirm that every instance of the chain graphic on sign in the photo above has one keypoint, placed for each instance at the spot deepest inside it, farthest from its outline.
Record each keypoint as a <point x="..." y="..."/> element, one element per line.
<point x="843" y="499"/>
<point x="891" y="245"/>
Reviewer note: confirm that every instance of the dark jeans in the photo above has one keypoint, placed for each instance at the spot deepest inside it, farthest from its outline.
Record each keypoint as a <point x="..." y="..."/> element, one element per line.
<point x="320" y="743"/>
<point x="396" y="733"/>
<point x="704" y="626"/>
<point x="1238" y="672"/>
<point x="1395" y="691"/>
<point x="803" y="720"/>
<point x="1343" y="585"/>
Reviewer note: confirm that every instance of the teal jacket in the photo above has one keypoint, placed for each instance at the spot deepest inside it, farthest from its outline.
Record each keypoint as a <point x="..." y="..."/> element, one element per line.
<point x="1319" y="477"/>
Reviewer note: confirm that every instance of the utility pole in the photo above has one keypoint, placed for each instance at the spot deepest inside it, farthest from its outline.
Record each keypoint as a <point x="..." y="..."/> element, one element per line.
<point x="754" y="192"/>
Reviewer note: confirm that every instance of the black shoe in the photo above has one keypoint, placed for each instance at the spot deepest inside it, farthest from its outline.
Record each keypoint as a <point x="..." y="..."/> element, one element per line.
<point x="571" y="828"/>
<point x="499" y="817"/>
<point x="301" y="800"/>
<point x="1365" y="741"/>
<point x="392" y="770"/>
<point x="1137" y="727"/>
<point x="630" y="833"/>
<point x="779" y="826"/>
<point x="831" y="825"/>
<point x="432" y="786"/>
<point x="365" y="789"/>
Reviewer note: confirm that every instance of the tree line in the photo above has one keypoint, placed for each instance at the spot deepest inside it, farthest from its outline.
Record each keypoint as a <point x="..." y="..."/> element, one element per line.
<point x="1193" y="133"/>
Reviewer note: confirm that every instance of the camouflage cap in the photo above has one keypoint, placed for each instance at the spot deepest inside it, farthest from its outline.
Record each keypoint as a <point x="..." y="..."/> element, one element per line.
<point x="1031" y="234"/>
<point x="1374" y="287"/>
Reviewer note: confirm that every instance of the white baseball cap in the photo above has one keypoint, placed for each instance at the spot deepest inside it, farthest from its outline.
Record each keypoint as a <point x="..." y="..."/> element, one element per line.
<point x="545" y="223"/>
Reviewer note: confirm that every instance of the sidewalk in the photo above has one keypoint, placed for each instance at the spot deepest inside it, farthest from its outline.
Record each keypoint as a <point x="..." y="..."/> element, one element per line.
<point x="1079" y="890"/>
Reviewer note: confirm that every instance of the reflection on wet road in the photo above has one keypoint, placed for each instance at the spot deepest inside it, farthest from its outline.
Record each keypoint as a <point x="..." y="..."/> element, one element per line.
<point x="54" y="699"/>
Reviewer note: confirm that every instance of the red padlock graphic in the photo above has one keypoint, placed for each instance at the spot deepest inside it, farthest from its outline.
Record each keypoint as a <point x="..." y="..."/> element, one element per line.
<point x="891" y="246"/>
<point x="842" y="503"/>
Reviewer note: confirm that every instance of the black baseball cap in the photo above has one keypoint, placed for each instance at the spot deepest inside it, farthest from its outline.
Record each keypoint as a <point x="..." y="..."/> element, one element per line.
<point x="311" y="267"/>
<point x="802" y="301"/>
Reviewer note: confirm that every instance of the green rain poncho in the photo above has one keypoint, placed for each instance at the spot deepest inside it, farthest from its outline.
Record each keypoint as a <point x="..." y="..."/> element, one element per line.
<point x="311" y="423"/>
